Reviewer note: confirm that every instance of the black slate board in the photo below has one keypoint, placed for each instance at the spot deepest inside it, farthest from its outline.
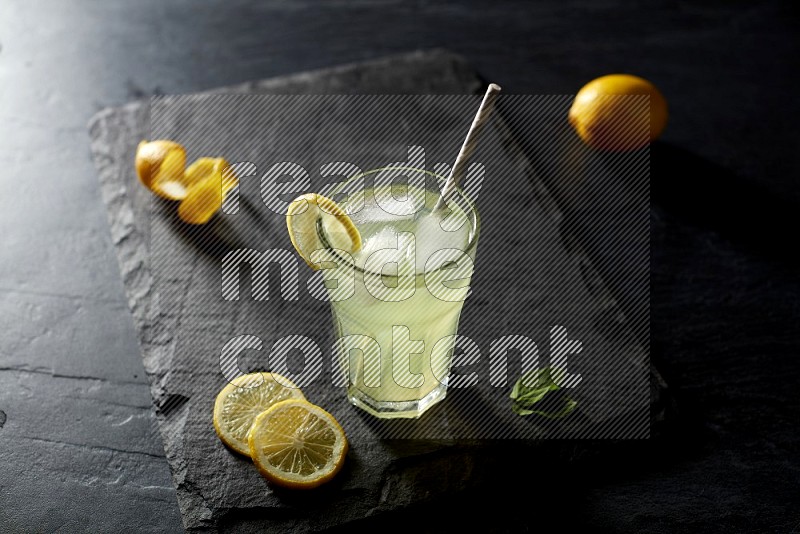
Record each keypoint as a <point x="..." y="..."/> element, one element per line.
<point x="215" y="488"/>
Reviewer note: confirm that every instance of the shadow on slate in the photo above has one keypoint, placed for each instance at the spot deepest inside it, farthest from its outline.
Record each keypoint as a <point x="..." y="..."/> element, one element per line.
<point x="711" y="197"/>
<point x="219" y="490"/>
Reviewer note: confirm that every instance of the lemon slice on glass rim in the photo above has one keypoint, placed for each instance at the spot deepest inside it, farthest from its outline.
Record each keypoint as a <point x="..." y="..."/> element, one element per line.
<point x="238" y="404"/>
<point x="309" y="210"/>
<point x="297" y="444"/>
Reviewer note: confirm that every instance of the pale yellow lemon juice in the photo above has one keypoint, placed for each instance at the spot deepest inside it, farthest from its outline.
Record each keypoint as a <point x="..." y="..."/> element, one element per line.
<point x="398" y="329"/>
<point x="397" y="298"/>
<point x="398" y="261"/>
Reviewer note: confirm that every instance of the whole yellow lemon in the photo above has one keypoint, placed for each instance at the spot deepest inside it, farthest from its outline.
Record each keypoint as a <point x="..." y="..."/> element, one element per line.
<point x="608" y="121"/>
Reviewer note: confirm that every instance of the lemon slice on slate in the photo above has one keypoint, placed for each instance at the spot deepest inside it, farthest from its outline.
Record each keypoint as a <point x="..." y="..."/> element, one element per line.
<point x="297" y="444"/>
<point x="239" y="403"/>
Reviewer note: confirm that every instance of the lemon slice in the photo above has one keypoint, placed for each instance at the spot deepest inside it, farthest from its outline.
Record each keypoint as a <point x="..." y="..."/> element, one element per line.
<point x="239" y="403"/>
<point x="160" y="165"/>
<point x="207" y="180"/>
<point x="302" y="217"/>
<point x="296" y="444"/>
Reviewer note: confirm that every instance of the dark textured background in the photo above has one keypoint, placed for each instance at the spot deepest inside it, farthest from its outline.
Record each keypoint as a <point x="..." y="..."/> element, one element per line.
<point x="78" y="449"/>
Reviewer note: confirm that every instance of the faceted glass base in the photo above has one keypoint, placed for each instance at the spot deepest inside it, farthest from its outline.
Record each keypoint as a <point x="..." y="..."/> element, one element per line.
<point x="396" y="410"/>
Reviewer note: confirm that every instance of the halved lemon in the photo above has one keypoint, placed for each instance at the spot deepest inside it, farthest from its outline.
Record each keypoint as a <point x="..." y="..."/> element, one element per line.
<point x="306" y="212"/>
<point x="207" y="180"/>
<point x="297" y="444"/>
<point x="239" y="403"/>
<point x="160" y="165"/>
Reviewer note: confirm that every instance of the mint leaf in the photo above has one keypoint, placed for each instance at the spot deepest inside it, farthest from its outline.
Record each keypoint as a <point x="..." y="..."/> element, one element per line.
<point x="569" y="406"/>
<point x="533" y="386"/>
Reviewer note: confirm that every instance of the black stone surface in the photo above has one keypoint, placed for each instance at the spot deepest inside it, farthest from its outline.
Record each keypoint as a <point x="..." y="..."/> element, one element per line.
<point x="724" y="292"/>
<point x="171" y="273"/>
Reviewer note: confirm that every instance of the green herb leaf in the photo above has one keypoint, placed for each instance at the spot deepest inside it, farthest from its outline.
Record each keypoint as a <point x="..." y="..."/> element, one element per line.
<point x="533" y="386"/>
<point x="569" y="406"/>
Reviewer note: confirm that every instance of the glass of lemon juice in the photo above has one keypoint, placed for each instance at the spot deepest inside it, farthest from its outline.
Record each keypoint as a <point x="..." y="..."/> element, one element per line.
<point x="397" y="269"/>
<point x="410" y="255"/>
<point x="396" y="333"/>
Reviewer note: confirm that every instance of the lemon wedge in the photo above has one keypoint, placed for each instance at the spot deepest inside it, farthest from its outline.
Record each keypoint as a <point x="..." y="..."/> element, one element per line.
<point x="306" y="212"/>
<point x="160" y="165"/>
<point x="238" y="404"/>
<point x="206" y="182"/>
<point x="297" y="444"/>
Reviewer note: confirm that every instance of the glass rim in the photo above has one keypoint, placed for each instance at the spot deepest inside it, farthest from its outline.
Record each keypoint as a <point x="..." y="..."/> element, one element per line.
<point x="471" y="242"/>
